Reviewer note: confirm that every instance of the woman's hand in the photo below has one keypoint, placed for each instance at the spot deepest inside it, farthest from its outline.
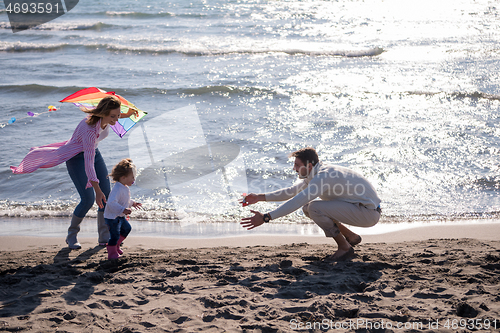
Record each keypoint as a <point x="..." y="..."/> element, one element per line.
<point x="100" y="198"/>
<point x="129" y="113"/>
<point x="127" y="211"/>
<point x="137" y="205"/>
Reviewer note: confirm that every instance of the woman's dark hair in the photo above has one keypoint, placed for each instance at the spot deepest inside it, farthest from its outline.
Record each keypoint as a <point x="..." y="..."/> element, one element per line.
<point x="306" y="155"/>
<point x="122" y="169"/>
<point x="103" y="109"/>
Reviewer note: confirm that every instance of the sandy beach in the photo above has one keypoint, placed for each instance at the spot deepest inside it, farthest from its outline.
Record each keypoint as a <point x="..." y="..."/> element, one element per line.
<point x="427" y="279"/>
<point x="405" y="94"/>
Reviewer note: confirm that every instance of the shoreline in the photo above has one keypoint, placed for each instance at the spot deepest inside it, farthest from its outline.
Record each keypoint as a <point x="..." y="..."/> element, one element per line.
<point x="488" y="231"/>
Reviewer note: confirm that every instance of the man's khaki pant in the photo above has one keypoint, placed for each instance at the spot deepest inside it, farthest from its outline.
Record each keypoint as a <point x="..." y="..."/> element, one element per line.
<point x="326" y="213"/>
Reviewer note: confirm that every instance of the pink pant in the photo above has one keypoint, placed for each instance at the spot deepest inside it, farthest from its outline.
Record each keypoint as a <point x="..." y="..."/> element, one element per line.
<point x="326" y="213"/>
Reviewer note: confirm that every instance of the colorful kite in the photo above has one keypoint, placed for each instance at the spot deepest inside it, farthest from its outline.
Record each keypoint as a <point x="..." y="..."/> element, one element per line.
<point x="90" y="97"/>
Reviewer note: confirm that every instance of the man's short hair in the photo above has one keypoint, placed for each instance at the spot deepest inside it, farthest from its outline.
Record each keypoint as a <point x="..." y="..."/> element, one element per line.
<point x="306" y="155"/>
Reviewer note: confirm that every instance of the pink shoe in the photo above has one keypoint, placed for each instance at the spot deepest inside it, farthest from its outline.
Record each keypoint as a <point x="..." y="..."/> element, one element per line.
<point x="120" y="241"/>
<point x="112" y="254"/>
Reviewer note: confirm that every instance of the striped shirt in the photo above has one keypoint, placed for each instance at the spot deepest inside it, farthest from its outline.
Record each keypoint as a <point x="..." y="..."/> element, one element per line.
<point x="85" y="139"/>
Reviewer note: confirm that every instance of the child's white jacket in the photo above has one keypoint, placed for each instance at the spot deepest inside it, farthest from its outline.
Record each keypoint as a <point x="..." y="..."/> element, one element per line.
<point x="118" y="200"/>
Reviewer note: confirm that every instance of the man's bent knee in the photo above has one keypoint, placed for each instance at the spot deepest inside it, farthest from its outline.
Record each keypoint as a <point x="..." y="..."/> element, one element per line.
<point x="313" y="210"/>
<point x="305" y="209"/>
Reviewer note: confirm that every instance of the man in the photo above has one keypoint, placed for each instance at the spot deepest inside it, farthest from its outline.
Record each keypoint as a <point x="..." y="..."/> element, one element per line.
<point x="345" y="197"/>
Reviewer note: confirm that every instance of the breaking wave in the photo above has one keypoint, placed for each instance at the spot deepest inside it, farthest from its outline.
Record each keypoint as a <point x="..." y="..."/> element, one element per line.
<point x="35" y="89"/>
<point x="459" y="95"/>
<point x="66" y="26"/>
<point x="135" y="14"/>
<point x="188" y="51"/>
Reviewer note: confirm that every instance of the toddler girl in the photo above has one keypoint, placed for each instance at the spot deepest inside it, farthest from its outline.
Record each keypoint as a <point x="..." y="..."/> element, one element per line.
<point x="118" y="206"/>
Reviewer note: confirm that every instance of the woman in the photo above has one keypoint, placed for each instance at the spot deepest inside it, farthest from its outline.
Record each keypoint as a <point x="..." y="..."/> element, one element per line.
<point x="84" y="162"/>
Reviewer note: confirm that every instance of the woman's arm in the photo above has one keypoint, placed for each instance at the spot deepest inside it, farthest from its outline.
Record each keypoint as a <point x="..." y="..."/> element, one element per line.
<point x="88" y="141"/>
<point x="129" y="113"/>
<point x="89" y="137"/>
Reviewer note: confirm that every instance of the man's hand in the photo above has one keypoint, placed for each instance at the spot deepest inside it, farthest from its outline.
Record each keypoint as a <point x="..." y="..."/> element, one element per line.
<point x="253" y="198"/>
<point x="137" y="205"/>
<point x="127" y="211"/>
<point x="254" y="221"/>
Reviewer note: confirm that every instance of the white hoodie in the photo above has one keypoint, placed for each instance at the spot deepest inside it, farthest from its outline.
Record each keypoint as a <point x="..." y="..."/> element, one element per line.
<point x="328" y="182"/>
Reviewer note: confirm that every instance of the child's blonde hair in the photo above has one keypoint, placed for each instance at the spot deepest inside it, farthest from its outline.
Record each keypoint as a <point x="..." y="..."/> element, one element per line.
<point x="122" y="169"/>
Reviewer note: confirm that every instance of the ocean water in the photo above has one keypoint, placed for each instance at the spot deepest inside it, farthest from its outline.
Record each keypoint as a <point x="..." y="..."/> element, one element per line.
<point x="407" y="93"/>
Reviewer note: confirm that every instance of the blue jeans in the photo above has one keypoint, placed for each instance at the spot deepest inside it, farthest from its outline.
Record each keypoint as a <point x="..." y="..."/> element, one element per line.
<point x="76" y="170"/>
<point x="117" y="227"/>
